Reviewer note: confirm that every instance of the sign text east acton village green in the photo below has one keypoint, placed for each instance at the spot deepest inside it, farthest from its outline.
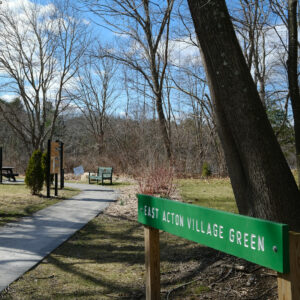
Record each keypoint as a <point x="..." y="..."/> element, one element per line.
<point x="256" y="240"/>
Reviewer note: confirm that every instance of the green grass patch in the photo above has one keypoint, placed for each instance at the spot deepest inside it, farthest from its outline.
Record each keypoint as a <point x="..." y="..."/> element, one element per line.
<point x="16" y="201"/>
<point x="213" y="193"/>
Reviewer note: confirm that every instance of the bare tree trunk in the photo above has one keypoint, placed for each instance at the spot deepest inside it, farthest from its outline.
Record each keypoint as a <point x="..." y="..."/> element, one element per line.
<point x="293" y="75"/>
<point x="163" y="127"/>
<point x="261" y="179"/>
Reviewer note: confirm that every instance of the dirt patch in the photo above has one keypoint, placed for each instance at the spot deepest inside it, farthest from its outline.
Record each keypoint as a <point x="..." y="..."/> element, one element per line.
<point x="201" y="272"/>
<point x="126" y="206"/>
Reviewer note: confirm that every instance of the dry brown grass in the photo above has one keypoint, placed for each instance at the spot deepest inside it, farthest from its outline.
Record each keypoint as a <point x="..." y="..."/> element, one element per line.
<point x="16" y="201"/>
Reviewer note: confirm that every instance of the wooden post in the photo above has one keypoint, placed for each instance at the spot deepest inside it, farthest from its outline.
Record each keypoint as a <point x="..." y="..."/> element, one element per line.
<point x="0" y="164"/>
<point x="62" y="181"/>
<point x="56" y="184"/>
<point x="48" y="168"/>
<point x="152" y="262"/>
<point x="289" y="284"/>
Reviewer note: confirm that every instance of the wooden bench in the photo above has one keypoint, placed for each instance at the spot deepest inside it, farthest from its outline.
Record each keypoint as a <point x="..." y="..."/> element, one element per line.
<point x="104" y="173"/>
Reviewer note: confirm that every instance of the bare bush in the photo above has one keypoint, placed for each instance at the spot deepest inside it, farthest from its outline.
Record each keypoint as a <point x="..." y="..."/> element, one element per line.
<point x="158" y="181"/>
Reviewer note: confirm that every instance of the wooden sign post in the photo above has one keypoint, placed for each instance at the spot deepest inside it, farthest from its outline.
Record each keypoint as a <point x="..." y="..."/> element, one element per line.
<point x="266" y="243"/>
<point x="53" y="165"/>
<point x="48" y="183"/>
<point x="62" y="174"/>
<point x="289" y="283"/>
<point x="54" y="158"/>
<point x="152" y="262"/>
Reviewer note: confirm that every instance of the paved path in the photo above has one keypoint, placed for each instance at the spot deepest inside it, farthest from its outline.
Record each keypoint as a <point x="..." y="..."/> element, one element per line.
<point x="27" y="242"/>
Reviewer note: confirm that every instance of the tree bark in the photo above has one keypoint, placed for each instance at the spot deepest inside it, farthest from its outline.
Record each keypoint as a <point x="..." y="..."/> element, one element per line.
<point x="292" y="65"/>
<point x="262" y="182"/>
<point x="163" y="128"/>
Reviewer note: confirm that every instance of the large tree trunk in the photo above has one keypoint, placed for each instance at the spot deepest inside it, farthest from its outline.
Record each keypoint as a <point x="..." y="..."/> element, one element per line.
<point x="293" y="75"/>
<point x="262" y="182"/>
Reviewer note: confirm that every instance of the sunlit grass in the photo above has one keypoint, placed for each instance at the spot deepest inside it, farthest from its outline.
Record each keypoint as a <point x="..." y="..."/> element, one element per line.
<point x="105" y="260"/>
<point x="16" y="201"/>
<point x="213" y="193"/>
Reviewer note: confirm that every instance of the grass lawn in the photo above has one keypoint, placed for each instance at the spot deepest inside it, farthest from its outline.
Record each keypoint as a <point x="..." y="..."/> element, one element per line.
<point x="213" y="193"/>
<point x="105" y="260"/>
<point x="16" y="201"/>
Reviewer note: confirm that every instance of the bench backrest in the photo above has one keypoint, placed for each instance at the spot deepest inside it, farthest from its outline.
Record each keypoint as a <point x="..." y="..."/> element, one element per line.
<point x="106" y="170"/>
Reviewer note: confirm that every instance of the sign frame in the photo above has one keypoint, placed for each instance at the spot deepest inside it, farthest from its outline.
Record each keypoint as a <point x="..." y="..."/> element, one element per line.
<point x="260" y="241"/>
<point x="55" y="158"/>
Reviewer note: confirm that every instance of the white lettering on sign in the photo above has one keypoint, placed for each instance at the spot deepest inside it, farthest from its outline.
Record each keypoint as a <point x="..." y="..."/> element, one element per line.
<point x="202" y="230"/>
<point x="246" y="240"/>
<point x="231" y="235"/>
<point x="242" y="239"/>
<point x="221" y="232"/>
<point x="172" y="218"/>
<point x="211" y="230"/>
<point x="252" y="242"/>
<point x="261" y="246"/>
<point x="208" y="229"/>
<point x="151" y="212"/>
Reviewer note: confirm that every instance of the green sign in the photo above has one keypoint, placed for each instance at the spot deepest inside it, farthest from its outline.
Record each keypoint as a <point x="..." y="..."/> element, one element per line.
<point x="256" y="240"/>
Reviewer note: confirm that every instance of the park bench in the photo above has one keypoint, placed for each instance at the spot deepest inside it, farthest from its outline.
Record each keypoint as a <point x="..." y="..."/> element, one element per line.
<point x="8" y="173"/>
<point x="104" y="173"/>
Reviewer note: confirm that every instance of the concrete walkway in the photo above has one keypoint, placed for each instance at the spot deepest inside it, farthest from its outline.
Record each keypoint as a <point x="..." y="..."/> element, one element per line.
<point x="25" y="243"/>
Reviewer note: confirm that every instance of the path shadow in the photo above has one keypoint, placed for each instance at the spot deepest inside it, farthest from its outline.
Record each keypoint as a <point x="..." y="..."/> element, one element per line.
<point x="112" y="243"/>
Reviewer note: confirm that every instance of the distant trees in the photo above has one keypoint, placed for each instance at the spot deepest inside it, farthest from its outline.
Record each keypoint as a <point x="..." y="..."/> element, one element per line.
<point x="145" y="96"/>
<point x="292" y="66"/>
<point x="40" y="50"/>
<point x="253" y="24"/>
<point x="268" y="30"/>
<point x="94" y="92"/>
<point x="144" y="28"/>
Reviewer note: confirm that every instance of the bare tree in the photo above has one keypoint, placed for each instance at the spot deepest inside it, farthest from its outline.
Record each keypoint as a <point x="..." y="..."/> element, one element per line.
<point x="202" y="114"/>
<point x="40" y="49"/>
<point x="292" y="65"/>
<point x="262" y="181"/>
<point x="95" y="93"/>
<point x="287" y="12"/>
<point x="144" y="27"/>
<point x="252" y="23"/>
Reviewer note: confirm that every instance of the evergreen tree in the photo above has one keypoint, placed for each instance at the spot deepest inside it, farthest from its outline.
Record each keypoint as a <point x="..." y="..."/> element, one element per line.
<point x="34" y="178"/>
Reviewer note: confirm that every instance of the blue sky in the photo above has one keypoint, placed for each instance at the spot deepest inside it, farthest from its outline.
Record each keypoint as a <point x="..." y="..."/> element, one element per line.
<point x="106" y="36"/>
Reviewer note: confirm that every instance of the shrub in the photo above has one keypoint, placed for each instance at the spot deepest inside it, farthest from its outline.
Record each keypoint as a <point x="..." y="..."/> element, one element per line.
<point x="206" y="170"/>
<point x="34" y="177"/>
<point x="157" y="181"/>
<point x="45" y="166"/>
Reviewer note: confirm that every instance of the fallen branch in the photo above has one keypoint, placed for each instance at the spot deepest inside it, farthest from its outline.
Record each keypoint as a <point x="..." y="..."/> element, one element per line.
<point x="220" y="279"/>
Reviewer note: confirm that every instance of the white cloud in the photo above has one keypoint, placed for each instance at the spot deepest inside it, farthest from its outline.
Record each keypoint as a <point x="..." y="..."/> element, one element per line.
<point x="184" y="53"/>
<point x="8" y="97"/>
